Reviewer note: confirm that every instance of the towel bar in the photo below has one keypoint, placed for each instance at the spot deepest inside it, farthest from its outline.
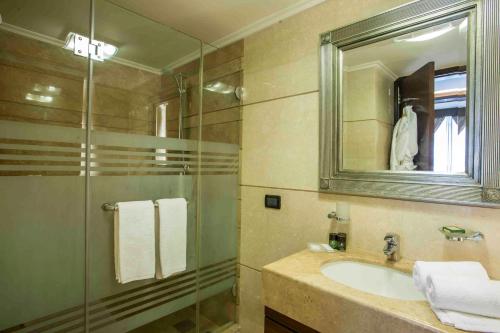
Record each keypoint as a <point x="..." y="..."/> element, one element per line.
<point x="112" y="207"/>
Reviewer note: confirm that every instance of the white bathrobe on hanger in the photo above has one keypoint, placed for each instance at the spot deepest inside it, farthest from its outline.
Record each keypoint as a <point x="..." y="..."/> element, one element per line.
<point x="404" y="141"/>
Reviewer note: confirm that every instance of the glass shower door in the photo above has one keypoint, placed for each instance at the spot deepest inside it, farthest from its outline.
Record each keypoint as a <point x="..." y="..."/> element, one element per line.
<point x="42" y="137"/>
<point x="139" y="152"/>
<point x="151" y="134"/>
<point x="219" y="129"/>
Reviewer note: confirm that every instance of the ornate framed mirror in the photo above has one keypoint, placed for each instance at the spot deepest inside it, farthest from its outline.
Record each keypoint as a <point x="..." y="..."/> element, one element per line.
<point x="410" y="104"/>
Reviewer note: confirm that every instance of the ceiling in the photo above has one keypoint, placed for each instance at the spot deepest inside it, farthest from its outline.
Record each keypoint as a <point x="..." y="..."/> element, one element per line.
<point x="155" y="34"/>
<point x="404" y="57"/>
<point x="213" y="21"/>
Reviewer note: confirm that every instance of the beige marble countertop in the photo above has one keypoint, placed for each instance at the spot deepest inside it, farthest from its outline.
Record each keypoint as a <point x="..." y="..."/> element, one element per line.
<point x="300" y="275"/>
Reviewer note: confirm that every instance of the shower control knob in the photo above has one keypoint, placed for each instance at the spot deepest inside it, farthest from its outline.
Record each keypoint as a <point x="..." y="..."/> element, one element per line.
<point x="239" y="92"/>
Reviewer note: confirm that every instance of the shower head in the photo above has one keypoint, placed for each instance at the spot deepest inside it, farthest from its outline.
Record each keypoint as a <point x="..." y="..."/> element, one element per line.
<point x="181" y="83"/>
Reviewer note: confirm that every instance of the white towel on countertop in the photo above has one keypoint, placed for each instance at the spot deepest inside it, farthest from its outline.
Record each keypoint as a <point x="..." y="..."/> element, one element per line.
<point x="134" y="236"/>
<point x="172" y="236"/>
<point x="423" y="269"/>
<point x="469" y="295"/>
<point x="468" y="322"/>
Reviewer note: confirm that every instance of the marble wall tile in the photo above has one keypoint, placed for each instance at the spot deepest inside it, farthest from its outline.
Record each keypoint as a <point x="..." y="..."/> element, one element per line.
<point x="218" y="94"/>
<point x="222" y="132"/>
<point x="16" y="83"/>
<point x="251" y="309"/>
<point x="40" y="114"/>
<point x="268" y="235"/>
<point x="111" y="74"/>
<point x="215" y="57"/>
<point x="222" y="70"/>
<point x="280" y="143"/>
<point x="224" y="55"/>
<point x="33" y="54"/>
<point x="215" y="117"/>
<point x="366" y="145"/>
<point x="221" y="114"/>
<point x="123" y="103"/>
<point x="368" y="94"/>
<point x="124" y="97"/>
<point x="283" y="59"/>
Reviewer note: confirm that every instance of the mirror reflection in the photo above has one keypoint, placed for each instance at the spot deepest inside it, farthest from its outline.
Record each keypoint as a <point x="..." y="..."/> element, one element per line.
<point x="404" y="102"/>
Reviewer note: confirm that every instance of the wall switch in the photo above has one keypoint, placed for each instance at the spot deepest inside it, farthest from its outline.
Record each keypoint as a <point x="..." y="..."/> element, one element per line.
<point x="272" y="201"/>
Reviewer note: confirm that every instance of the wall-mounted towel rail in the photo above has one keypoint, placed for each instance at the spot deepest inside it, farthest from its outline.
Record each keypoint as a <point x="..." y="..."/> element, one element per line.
<point x="112" y="207"/>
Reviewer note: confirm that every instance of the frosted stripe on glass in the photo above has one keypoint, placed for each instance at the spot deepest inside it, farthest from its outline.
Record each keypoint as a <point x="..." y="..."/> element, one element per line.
<point x="35" y="149"/>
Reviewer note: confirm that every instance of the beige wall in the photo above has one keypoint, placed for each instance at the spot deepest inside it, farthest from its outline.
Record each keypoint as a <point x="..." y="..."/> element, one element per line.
<point x="367" y="119"/>
<point x="280" y="156"/>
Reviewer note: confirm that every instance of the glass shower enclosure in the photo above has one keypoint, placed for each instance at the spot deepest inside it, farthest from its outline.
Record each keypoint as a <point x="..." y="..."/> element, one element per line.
<point x="100" y="105"/>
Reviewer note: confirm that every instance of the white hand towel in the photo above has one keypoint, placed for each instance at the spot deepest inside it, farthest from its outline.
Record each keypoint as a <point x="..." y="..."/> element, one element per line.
<point x="134" y="241"/>
<point x="469" y="295"/>
<point x="172" y="236"/>
<point x="422" y="269"/>
<point x="468" y="322"/>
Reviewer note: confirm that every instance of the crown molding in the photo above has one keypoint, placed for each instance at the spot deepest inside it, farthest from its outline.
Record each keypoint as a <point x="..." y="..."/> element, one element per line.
<point x="31" y="34"/>
<point x="266" y="22"/>
<point x="373" y="64"/>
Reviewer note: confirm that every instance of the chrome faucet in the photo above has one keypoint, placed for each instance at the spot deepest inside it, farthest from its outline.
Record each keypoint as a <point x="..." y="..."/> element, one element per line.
<point x="391" y="248"/>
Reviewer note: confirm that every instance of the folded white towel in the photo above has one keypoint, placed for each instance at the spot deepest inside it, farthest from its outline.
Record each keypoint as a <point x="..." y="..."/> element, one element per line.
<point x="422" y="269"/>
<point x="134" y="241"/>
<point x="172" y="236"/>
<point x="468" y="322"/>
<point x="469" y="295"/>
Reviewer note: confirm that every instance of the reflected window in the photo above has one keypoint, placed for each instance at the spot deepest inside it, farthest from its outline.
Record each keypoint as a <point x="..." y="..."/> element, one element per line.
<point x="449" y="123"/>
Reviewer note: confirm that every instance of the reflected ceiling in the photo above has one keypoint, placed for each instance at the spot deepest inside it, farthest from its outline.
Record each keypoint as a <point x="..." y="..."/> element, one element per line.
<point x="404" y="57"/>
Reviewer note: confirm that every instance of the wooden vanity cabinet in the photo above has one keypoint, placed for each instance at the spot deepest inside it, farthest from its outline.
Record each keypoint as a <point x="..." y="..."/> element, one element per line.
<point x="276" y="322"/>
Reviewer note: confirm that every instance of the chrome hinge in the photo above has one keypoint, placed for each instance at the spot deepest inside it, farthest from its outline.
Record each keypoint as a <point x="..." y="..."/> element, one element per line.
<point x="84" y="48"/>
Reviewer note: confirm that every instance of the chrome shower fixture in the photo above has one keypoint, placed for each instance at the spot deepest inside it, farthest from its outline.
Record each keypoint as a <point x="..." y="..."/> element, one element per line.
<point x="181" y="83"/>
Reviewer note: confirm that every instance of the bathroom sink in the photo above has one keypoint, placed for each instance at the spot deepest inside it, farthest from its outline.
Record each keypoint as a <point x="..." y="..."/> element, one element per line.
<point x="373" y="279"/>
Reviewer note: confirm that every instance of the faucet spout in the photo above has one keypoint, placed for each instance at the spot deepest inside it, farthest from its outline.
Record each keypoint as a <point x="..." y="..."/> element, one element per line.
<point x="388" y="249"/>
<point x="391" y="248"/>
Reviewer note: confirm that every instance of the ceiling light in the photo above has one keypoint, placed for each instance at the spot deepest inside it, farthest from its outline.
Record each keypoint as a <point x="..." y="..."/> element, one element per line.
<point x="109" y="50"/>
<point x="424" y="35"/>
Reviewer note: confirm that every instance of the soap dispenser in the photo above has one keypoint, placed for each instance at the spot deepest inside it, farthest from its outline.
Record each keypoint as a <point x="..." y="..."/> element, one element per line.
<point x="338" y="227"/>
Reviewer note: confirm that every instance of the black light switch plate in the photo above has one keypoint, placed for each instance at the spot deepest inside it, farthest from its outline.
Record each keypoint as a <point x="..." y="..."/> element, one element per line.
<point x="272" y="201"/>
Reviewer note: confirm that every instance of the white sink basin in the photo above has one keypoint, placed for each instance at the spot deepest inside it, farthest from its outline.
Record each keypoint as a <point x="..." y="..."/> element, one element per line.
<point x="373" y="279"/>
